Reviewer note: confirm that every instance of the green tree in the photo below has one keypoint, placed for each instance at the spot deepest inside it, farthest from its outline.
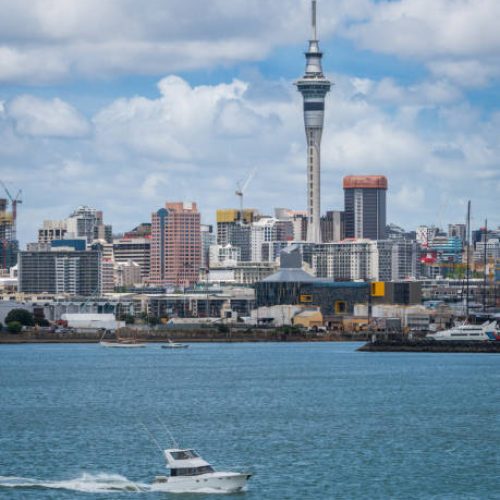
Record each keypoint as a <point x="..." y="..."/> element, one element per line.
<point x="14" y="327"/>
<point x="20" y="315"/>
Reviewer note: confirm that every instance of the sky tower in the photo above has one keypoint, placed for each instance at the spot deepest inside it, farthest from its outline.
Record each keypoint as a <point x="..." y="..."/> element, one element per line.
<point x="313" y="86"/>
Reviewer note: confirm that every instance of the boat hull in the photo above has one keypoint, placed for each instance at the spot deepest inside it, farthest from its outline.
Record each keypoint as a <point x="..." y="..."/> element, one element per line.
<point x="120" y="344"/>
<point x="227" y="482"/>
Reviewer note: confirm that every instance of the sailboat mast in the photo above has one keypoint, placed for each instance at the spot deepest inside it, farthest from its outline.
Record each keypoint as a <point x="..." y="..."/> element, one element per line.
<point x="485" y="254"/>
<point x="467" y="276"/>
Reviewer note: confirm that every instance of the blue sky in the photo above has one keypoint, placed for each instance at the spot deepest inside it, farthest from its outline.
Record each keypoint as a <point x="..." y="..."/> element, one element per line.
<point x="121" y="107"/>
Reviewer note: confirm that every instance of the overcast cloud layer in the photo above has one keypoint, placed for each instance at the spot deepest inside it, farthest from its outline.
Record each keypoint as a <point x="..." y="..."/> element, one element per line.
<point x="435" y="137"/>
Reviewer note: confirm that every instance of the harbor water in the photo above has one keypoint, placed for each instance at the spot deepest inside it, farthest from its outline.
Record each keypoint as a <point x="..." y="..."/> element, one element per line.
<point x="309" y="420"/>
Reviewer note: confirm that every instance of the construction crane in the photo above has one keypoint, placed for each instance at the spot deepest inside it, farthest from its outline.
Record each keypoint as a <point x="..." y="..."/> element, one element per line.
<point x="14" y="202"/>
<point x="242" y="188"/>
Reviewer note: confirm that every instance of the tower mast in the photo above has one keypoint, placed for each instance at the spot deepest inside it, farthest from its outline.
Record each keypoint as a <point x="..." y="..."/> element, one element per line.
<point x="313" y="86"/>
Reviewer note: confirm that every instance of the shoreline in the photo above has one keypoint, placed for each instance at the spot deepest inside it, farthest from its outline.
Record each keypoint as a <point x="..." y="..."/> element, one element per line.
<point x="197" y="337"/>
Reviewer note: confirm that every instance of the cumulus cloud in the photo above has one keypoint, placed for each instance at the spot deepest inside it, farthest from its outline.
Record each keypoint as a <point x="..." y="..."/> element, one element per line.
<point x="50" y="40"/>
<point x="195" y="142"/>
<point x="458" y="40"/>
<point x="46" y="118"/>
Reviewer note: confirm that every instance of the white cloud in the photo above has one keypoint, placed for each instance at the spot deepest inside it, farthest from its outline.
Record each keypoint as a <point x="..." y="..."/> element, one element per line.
<point x="51" y="40"/>
<point x="46" y="118"/>
<point x="196" y="142"/>
<point x="459" y="40"/>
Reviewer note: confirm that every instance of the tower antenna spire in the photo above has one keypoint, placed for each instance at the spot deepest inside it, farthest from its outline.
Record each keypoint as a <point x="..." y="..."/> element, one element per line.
<point x="313" y="20"/>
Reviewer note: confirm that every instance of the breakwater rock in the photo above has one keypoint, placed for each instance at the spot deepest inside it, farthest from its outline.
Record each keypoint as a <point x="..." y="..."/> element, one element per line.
<point x="422" y="345"/>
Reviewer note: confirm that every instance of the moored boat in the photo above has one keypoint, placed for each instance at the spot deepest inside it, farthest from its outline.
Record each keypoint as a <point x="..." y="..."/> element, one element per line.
<point x="488" y="331"/>
<point x="174" y="345"/>
<point x="120" y="342"/>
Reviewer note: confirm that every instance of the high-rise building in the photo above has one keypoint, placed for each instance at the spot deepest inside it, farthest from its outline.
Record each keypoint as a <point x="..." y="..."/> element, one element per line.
<point x="135" y="249"/>
<point x="298" y="220"/>
<point x="52" y="230"/>
<point x="86" y="222"/>
<point x="365" y="206"/>
<point x="363" y="259"/>
<point x="9" y="245"/>
<point x="234" y="228"/>
<point x="207" y="240"/>
<point x="175" y="245"/>
<point x="332" y="226"/>
<point x="62" y="272"/>
<point x="262" y="231"/>
<point x="313" y="86"/>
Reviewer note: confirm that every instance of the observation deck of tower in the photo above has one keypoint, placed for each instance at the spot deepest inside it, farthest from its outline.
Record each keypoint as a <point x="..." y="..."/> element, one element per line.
<point x="313" y="86"/>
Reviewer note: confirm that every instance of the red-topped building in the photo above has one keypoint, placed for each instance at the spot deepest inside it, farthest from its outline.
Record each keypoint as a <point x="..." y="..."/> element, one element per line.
<point x="365" y="206"/>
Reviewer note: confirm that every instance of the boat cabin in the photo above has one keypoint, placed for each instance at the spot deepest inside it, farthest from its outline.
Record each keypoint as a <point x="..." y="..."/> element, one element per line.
<point x="186" y="463"/>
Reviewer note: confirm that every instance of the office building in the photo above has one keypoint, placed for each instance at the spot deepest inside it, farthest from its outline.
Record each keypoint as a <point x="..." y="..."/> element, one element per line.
<point x="363" y="259"/>
<point x="208" y="239"/>
<point x="175" y="245"/>
<point x="135" y="249"/>
<point x="52" y="230"/>
<point x="61" y="272"/>
<point x="86" y="222"/>
<point x="365" y="206"/>
<point x="332" y="226"/>
<point x="298" y="221"/>
<point x="234" y="228"/>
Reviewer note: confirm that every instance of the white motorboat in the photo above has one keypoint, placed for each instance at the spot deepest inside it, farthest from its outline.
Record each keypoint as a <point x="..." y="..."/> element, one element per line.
<point x="468" y="333"/>
<point x="190" y="473"/>
<point x="174" y="345"/>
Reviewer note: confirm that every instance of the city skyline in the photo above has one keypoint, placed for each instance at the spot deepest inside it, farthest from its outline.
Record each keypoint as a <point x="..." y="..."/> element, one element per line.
<point x="83" y="122"/>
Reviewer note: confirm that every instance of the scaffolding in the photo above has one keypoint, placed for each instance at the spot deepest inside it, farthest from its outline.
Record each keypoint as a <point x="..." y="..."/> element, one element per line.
<point x="9" y="246"/>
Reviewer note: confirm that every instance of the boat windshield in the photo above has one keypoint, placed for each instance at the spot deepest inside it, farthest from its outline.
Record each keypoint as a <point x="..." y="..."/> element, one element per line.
<point x="183" y="455"/>
<point x="191" y="471"/>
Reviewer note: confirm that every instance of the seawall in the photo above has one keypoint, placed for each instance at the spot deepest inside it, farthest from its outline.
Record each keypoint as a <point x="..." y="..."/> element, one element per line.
<point x="430" y="346"/>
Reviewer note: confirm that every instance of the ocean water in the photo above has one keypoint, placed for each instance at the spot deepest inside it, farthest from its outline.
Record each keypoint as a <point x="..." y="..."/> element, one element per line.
<point x="310" y="421"/>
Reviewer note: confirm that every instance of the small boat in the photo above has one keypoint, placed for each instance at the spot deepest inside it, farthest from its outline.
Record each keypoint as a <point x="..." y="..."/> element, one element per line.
<point x="189" y="473"/>
<point x="121" y="343"/>
<point x="127" y="343"/>
<point x="174" y="345"/>
<point x="468" y="333"/>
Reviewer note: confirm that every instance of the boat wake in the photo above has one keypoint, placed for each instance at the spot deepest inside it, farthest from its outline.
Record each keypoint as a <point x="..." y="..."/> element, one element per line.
<point x="94" y="483"/>
<point x="86" y="483"/>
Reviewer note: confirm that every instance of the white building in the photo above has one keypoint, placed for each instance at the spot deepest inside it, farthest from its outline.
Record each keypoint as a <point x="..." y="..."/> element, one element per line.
<point x="127" y="274"/>
<point x="262" y="231"/>
<point x="224" y="256"/>
<point x="363" y="259"/>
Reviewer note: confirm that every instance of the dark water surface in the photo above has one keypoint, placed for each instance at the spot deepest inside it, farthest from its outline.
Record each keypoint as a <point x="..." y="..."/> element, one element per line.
<point x="311" y="421"/>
